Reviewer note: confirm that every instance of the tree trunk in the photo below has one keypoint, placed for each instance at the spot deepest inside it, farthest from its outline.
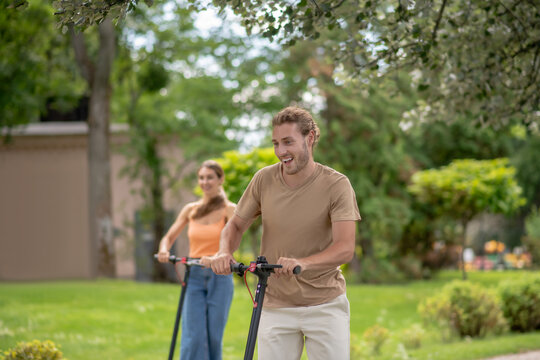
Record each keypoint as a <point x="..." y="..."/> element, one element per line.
<point x="149" y="156"/>
<point x="158" y="211"/>
<point x="97" y="74"/>
<point x="367" y="246"/>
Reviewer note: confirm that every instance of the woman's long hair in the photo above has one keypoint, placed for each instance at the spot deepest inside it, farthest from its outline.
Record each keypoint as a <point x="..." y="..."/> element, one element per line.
<point x="218" y="201"/>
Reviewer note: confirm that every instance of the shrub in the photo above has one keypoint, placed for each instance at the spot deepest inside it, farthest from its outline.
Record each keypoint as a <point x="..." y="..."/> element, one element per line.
<point x="464" y="309"/>
<point x="375" y="337"/>
<point x="521" y="303"/>
<point x="359" y="348"/>
<point x="412" y="336"/>
<point x="34" y="350"/>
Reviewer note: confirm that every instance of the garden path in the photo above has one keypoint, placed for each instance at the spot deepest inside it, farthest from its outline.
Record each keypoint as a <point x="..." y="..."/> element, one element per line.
<point x="529" y="355"/>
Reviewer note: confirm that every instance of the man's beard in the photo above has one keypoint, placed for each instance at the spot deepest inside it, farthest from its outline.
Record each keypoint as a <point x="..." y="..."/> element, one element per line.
<point x="301" y="161"/>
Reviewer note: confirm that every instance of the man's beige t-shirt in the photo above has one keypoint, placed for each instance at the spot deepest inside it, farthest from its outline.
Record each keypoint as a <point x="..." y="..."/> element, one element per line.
<point x="297" y="222"/>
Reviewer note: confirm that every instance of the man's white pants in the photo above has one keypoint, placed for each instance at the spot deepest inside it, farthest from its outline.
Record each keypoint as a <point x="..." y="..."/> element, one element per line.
<point x="325" y="330"/>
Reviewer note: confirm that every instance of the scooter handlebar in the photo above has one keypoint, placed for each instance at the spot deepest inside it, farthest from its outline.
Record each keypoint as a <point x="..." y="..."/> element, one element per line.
<point x="240" y="268"/>
<point x="184" y="260"/>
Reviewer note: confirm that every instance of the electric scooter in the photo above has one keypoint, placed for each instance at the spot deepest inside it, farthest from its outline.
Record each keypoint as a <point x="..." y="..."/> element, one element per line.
<point x="263" y="270"/>
<point x="188" y="262"/>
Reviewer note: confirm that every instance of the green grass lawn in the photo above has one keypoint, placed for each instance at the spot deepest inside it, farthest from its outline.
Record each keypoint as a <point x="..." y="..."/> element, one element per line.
<point x="115" y="319"/>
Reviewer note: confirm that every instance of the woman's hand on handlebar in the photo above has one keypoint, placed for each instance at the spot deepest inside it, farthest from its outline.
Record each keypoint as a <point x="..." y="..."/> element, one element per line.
<point x="163" y="256"/>
<point x="288" y="266"/>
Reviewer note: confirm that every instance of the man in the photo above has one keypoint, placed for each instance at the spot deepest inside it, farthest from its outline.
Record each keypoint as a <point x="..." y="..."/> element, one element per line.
<point x="309" y="215"/>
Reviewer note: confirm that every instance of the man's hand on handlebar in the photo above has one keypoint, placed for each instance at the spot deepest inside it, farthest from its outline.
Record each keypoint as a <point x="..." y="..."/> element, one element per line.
<point x="288" y="266"/>
<point x="220" y="263"/>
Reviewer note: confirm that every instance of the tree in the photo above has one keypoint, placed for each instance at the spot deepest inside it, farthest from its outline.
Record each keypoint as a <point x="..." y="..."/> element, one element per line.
<point x="528" y="169"/>
<point x="206" y="114"/>
<point x="532" y="238"/>
<point x="363" y="139"/>
<point x="36" y="65"/>
<point x="480" y="58"/>
<point x="432" y="144"/>
<point x="96" y="70"/>
<point x="437" y="143"/>
<point x="39" y="67"/>
<point x="84" y="14"/>
<point x="179" y="88"/>
<point x="146" y="133"/>
<point x="466" y="188"/>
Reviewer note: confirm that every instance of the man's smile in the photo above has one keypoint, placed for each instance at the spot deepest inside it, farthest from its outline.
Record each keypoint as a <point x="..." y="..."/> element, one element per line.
<point x="286" y="160"/>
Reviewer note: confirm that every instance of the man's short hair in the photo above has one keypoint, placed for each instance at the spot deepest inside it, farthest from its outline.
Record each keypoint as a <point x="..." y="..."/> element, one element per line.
<point x="299" y="116"/>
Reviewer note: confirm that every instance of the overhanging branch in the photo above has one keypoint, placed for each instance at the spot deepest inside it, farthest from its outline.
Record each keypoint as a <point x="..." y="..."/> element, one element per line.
<point x="438" y="22"/>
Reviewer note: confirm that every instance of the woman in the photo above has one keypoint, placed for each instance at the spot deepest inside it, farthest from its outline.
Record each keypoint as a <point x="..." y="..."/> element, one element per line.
<point x="208" y="297"/>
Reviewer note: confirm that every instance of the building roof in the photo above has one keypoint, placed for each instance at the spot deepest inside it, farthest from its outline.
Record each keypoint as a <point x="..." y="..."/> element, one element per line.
<point x="58" y="128"/>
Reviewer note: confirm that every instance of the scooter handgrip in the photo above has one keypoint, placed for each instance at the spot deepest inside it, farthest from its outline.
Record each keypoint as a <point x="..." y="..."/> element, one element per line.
<point x="237" y="267"/>
<point x="297" y="270"/>
<point x="173" y="259"/>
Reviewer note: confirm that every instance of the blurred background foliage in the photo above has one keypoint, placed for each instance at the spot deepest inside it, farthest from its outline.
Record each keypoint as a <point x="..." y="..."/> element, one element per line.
<point x="400" y="101"/>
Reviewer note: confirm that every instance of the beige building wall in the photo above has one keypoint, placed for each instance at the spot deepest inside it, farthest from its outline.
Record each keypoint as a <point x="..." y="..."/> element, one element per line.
<point x="44" y="204"/>
<point x="43" y="208"/>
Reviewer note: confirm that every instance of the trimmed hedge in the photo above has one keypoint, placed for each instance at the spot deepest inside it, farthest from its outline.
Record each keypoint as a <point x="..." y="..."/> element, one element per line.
<point x="464" y="309"/>
<point x="521" y="303"/>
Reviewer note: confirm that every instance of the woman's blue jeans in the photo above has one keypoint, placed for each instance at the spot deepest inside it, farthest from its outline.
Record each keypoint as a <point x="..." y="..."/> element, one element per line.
<point x="204" y="314"/>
